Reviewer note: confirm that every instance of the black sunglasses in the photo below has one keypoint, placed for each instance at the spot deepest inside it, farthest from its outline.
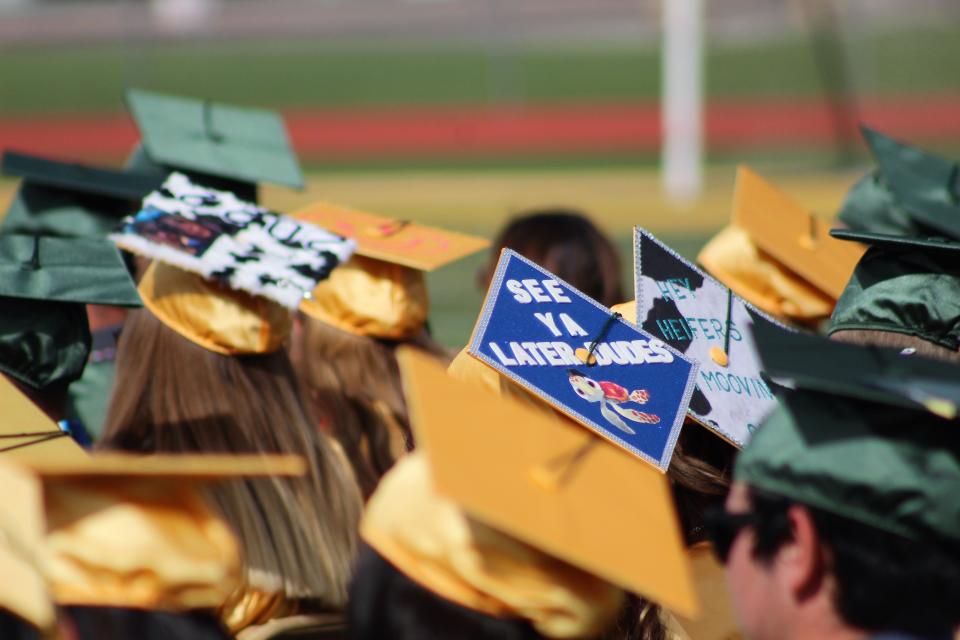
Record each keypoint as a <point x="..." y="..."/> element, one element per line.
<point x="723" y="527"/>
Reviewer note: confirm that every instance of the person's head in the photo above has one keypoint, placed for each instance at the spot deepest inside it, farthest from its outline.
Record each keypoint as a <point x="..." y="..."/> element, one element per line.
<point x="384" y="603"/>
<point x="843" y="519"/>
<point x="174" y="395"/>
<point x="16" y="628"/>
<point x="908" y="344"/>
<point x="792" y="564"/>
<point x="353" y="384"/>
<point x="344" y="355"/>
<point x="430" y="570"/>
<point x="902" y="298"/>
<point x="566" y="243"/>
<point x="700" y="472"/>
<point x="116" y="623"/>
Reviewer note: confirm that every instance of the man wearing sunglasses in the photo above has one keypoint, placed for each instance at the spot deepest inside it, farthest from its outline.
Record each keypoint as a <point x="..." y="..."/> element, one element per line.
<point x="844" y="522"/>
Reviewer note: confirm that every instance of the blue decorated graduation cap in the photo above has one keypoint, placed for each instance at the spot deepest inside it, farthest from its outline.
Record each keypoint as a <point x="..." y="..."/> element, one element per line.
<point x="217" y="145"/>
<point x="45" y="283"/>
<point x="703" y="319"/>
<point x="69" y="199"/>
<point x="583" y="359"/>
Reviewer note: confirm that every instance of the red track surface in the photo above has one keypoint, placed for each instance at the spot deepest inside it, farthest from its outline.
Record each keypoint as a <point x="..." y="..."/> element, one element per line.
<point x="418" y="132"/>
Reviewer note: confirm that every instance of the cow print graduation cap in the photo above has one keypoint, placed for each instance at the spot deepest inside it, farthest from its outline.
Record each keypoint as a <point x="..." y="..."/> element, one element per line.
<point x="703" y="319"/>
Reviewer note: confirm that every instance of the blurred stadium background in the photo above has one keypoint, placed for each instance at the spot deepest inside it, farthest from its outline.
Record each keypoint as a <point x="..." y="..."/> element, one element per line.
<point x="464" y="112"/>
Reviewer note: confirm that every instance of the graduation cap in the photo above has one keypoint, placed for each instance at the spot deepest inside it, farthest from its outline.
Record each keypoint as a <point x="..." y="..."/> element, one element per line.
<point x="44" y="284"/>
<point x="859" y="440"/>
<point x="108" y="523"/>
<point x="214" y="251"/>
<point x="236" y="243"/>
<point x="707" y="322"/>
<point x="382" y="291"/>
<point x="880" y="374"/>
<point x="69" y="199"/>
<point x="912" y="199"/>
<point x="908" y="283"/>
<point x="544" y="482"/>
<point x="23" y="592"/>
<point x="218" y="145"/>
<point x="27" y="433"/>
<point x="583" y="359"/>
<point x="777" y="255"/>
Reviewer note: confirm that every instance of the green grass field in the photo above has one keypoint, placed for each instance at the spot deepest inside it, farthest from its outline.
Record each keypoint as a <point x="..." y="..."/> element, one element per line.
<point x="304" y="74"/>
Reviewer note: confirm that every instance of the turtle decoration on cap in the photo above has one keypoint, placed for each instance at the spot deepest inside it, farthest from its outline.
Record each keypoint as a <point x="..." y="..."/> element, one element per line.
<point x="611" y="397"/>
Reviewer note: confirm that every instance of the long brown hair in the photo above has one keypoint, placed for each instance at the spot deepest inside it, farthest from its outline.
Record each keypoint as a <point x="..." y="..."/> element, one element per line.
<point x="353" y="383"/>
<point x="700" y="473"/>
<point x="171" y="395"/>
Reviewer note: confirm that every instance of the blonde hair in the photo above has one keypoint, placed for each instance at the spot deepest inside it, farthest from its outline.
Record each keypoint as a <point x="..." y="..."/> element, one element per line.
<point x="171" y="395"/>
<point x="353" y="383"/>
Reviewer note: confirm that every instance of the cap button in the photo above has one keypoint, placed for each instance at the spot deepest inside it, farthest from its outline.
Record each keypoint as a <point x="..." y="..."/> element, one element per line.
<point x="544" y="478"/>
<point x="719" y="356"/>
<point x="943" y="408"/>
<point x="386" y="229"/>
<point x="585" y="357"/>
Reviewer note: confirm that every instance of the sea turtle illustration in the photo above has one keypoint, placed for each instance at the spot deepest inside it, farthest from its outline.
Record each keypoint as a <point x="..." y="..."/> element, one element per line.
<point x="612" y="397"/>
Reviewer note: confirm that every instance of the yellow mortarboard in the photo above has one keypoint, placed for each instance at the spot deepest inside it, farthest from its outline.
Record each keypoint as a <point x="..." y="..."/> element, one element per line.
<point x="777" y="255"/>
<point x="550" y="484"/>
<point x="27" y="433"/>
<point x="22" y="589"/>
<point x="398" y="241"/>
<point x="135" y="532"/>
<point x="382" y="291"/>
<point x="218" y="319"/>
<point x="368" y="297"/>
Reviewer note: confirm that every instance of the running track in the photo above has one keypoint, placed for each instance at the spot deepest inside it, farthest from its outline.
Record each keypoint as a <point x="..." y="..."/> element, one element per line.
<point x="418" y="132"/>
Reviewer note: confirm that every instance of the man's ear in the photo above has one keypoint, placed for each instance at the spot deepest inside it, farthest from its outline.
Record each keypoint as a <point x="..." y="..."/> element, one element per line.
<point x="802" y="559"/>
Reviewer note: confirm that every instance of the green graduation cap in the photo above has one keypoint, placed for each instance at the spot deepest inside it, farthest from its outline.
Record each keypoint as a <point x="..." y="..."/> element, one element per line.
<point x="884" y="375"/>
<point x="911" y="199"/>
<point x="857" y="454"/>
<point x="67" y="199"/>
<point x="217" y="145"/>
<point x="45" y="282"/>
<point x="908" y="282"/>
<point x="909" y="291"/>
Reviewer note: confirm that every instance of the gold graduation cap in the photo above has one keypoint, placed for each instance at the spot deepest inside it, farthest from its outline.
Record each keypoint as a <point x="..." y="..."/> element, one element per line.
<point x="27" y="433"/>
<point x="117" y="530"/>
<point x="549" y="484"/>
<point x="22" y="589"/>
<point x="402" y="242"/>
<point x="381" y="292"/>
<point x="779" y="256"/>
<point x="208" y="314"/>
<point x="135" y="531"/>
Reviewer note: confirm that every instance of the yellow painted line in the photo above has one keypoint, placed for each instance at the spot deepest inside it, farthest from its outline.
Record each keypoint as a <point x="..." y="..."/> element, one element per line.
<point x="481" y="201"/>
<point x="617" y="199"/>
